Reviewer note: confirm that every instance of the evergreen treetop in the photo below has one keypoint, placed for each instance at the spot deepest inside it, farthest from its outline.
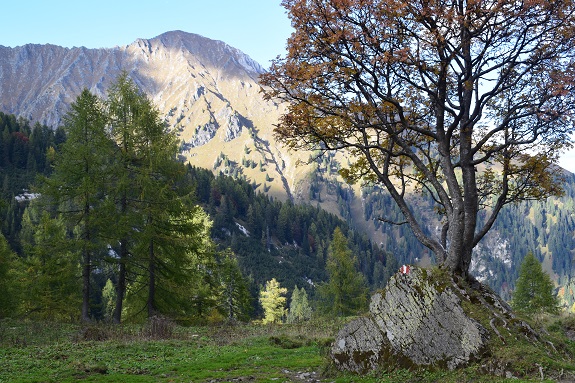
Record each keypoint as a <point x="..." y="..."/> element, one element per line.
<point x="345" y="293"/>
<point x="534" y="288"/>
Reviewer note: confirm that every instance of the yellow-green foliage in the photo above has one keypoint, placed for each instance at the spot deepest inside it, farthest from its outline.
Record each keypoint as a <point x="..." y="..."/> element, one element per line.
<point x="273" y="301"/>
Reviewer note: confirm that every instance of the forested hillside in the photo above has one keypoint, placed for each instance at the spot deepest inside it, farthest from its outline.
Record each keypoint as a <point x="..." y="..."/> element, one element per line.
<point x="272" y="239"/>
<point x="547" y="228"/>
<point x="25" y="152"/>
<point x="290" y="241"/>
<point x="280" y="239"/>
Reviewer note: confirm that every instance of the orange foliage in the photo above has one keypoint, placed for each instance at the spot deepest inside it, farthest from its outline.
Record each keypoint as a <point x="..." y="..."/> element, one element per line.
<point x="426" y="92"/>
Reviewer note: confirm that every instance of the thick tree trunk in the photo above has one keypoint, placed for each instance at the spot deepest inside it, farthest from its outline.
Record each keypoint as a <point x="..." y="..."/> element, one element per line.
<point x="464" y="196"/>
<point x="86" y="269"/>
<point x="152" y="281"/>
<point x="121" y="286"/>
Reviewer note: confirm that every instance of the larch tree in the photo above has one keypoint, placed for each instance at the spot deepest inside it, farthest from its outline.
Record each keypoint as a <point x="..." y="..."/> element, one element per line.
<point x="171" y="260"/>
<point x="124" y="107"/>
<point x="345" y="292"/>
<point x="50" y="269"/>
<point x="273" y="300"/>
<point x="108" y="299"/>
<point x="534" y="289"/>
<point x="162" y="236"/>
<point x="166" y="230"/>
<point x="79" y="182"/>
<point x="299" y="308"/>
<point x="468" y="102"/>
<point x="235" y="300"/>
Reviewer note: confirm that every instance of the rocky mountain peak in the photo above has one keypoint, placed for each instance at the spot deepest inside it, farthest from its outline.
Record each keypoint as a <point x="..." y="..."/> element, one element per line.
<point x="40" y="81"/>
<point x="207" y="90"/>
<point x="211" y="52"/>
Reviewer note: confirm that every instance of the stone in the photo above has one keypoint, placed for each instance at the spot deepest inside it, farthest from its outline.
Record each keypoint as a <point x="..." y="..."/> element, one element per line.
<point x="418" y="320"/>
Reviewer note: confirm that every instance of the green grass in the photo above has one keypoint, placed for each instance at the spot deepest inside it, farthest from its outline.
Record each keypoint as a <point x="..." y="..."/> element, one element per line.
<point x="37" y="352"/>
<point x="51" y="352"/>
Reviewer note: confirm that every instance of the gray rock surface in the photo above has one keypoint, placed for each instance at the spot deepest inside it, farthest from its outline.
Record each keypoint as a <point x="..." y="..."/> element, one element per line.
<point x="415" y="321"/>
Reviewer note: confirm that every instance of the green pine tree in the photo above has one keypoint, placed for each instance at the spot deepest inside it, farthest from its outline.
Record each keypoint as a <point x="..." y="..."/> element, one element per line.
<point x="79" y="182"/>
<point x="51" y="274"/>
<point x="162" y="238"/>
<point x="534" y="289"/>
<point x="173" y="263"/>
<point x="234" y="296"/>
<point x="125" y="104"/>
<point x="169" y="229"/>
<point x="9" y="297"/>
<point x="345" y="292"/>
<point x="273" y="301"/>
<point x="299" y="310"/>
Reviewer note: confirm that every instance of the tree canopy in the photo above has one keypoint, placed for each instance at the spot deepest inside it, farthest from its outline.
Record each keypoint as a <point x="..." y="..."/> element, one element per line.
<point x="80" y="180"/>
<point x="126" y="209"/>
<point x="468" y="102"/>
<point x="273" y="300"/>
<point x="534" y="289"/>
<point x="345" y="292"/>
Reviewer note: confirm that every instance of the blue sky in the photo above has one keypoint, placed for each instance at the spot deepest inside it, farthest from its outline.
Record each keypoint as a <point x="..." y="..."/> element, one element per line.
<point x="259" y="28"/>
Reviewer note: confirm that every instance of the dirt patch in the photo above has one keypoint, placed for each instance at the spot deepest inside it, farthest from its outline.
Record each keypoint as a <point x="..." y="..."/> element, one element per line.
<point x="289" y="376"/>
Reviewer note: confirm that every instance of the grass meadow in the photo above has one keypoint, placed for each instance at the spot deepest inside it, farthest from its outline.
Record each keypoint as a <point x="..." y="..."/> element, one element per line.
<point x="165" y="352"/>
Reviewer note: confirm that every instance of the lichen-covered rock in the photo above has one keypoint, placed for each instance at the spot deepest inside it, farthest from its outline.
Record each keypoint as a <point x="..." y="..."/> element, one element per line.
<point x="416" y="321"/>
<point x="359" y="345"/>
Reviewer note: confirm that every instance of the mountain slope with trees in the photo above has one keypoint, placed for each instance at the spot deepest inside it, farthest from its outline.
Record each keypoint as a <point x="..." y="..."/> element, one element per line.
<point x="545" y="228"/>
<point x="206" y="90"/>
<point x="267" y="238"/>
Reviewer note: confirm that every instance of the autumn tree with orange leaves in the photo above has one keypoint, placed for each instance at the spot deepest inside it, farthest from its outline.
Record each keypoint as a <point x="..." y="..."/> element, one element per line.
<point x="469" y="102"/>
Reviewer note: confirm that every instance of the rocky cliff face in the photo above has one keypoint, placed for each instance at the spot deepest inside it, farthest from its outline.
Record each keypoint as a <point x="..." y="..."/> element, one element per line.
<point x="207" y="91"/>
<point x="175" y="69"/>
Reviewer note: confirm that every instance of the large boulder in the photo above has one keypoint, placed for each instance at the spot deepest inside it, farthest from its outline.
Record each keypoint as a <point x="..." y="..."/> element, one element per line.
<point x="418" y="320"/>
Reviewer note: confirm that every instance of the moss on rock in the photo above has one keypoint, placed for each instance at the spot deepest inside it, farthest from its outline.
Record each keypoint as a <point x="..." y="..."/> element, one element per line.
<point x="426" y="319"/>
<point x="416" y="321"/>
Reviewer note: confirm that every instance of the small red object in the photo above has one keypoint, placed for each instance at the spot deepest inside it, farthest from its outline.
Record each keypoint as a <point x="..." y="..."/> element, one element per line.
<point x="404" y="269"/>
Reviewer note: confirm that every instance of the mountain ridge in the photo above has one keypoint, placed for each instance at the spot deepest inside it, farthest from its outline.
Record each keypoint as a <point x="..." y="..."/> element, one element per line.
<point x="207" y="90"/>
<point x="47" y="78"/>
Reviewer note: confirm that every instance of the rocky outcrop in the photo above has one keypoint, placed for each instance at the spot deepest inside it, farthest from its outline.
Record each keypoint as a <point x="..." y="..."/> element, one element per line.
<point x="418" y="320"/>
<point x="235" y="126"/>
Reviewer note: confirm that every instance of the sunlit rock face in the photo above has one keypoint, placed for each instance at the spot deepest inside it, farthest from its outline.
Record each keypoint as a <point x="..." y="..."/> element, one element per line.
<point x="191" y="79"/>
<point x="417" y="320"/>
<point x="206" y="90"/>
